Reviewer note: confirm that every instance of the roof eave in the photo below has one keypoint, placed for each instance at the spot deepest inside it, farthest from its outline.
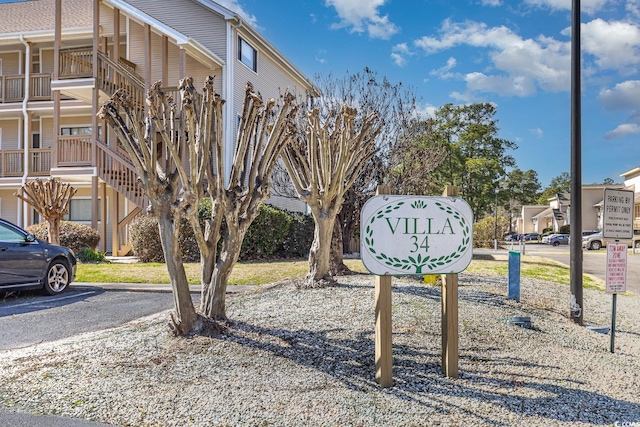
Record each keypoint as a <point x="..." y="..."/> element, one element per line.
<point x="45" y="35"/>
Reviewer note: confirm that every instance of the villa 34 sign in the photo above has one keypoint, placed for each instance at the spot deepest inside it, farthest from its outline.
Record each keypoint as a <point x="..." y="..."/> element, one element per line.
<point x="403" y="235"/>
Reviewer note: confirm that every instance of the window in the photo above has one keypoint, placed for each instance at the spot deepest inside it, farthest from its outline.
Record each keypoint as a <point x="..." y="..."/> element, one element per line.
<point x="247" y="54"/>
<point x="35" y="140"/>
<point x="79" y="130"/>
<point x="80" y="210"/>
<point x="75" y="130"/>
<point x="8" y="234"/>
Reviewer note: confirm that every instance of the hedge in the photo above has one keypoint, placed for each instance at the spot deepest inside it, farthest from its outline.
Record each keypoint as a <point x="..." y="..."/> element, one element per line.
<point x="72" y="235"/>
<point x="274" y="233"/>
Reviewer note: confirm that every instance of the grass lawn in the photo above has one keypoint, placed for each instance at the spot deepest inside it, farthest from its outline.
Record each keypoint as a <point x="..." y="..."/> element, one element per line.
<point x="262" y="272"/>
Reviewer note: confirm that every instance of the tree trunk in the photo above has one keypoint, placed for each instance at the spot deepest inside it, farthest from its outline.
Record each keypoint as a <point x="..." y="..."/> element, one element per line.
<point x="213" y="303"/>
<point x="337" y="266"/>
<point x="186" y="319"/>
<point x="54" y="231"/>
<point x="319" y="255"/>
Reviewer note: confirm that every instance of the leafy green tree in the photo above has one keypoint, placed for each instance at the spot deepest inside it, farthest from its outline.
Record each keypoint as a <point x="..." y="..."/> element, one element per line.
<point x="559" y="184"/>
<point x="419" y="150"/>
<point x="519" y="188"/>
<point x="476" y="159"/>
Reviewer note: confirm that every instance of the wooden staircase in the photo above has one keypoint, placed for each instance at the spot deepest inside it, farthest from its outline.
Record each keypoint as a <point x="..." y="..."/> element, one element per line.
<point x="112" y="162"/>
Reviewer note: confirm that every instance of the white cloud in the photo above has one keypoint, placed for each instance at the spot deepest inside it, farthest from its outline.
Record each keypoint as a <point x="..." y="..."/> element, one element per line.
<point x="444" y="72"/>
<point x="623" y="130"/>
<point x="320" y="56"/>
<point x="491" y="3"/>
<point x="426" y="111"/>
<point x="587" y="6"/>
<point x="234" y="6"/>
<point x="363" y="15"/>
<point x="615" y="44"/>
<point x="537" y="132"/>
<point x="624" y="96"/>
<point x="522" y="64"/>
<point x="633" y="7"/>
<point x="399" y="54"/>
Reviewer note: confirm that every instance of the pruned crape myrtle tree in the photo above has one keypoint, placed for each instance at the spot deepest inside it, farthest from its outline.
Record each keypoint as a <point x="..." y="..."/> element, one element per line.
<point x="395" y="107"/>
<point x="264" y="130"/>
<point x="51" y="200"/>
<point x="162" y="180"/>
<point x="193" y="169"/>
<point x="323" y="162"/>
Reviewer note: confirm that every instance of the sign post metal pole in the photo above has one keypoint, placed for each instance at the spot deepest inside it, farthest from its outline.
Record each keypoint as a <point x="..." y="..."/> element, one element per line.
<point x="617" y="223"/>
<point x="612" y="339"/>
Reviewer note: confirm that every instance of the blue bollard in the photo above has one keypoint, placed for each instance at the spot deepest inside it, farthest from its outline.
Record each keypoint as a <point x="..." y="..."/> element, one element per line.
<point x="514" y="275"/>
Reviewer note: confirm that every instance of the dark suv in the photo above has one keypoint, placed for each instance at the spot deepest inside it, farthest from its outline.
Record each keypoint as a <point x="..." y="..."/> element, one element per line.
<point x="28" y="263"/>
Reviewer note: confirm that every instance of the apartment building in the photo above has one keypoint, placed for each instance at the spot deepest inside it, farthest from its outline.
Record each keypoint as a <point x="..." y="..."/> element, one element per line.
<point x="535" y="218"/>
<point x="61" y="59"/>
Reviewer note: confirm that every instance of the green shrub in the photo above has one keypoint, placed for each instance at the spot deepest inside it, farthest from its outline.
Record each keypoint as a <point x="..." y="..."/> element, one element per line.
<point x="89" y="255"/>
<point x="273" y="233"/>
<point x="300" y="237"/>
<point x="145" y="240"/>
<point x="565" y="229"/>
<point x="483" y="231"/>
<point x="72" y="235"/>
<point x="266" y="233"/>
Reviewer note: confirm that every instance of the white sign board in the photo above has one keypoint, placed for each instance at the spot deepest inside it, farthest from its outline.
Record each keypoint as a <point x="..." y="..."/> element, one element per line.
<point x="616" y="277"/>
<point x="404" y="235"/>
<point x="617" y="214"/>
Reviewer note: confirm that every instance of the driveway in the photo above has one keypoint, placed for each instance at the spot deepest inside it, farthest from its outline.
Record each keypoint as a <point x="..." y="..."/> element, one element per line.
<point x="31" y="318"/>
<point x="593" y="262"/>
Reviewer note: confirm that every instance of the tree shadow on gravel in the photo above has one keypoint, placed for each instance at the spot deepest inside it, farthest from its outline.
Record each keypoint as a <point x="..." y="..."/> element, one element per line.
<point x="470" y="295"/>
<point x="418" y="376"/>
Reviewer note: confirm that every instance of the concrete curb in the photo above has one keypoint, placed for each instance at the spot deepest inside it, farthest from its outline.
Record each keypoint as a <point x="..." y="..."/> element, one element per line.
<point x="155" y="287"/>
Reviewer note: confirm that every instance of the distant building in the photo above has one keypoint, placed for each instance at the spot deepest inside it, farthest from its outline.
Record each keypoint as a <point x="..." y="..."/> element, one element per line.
<point x="534" y="219"/>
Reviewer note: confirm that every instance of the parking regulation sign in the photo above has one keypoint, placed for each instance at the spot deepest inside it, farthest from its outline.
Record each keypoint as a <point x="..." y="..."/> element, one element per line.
<point x="616" y="274"/>
<point x="617" y="214"/>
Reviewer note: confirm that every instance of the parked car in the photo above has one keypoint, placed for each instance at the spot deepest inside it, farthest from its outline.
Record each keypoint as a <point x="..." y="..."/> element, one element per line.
<point x="531" y="236"/>
<point x="545" y="239"/>
<point x="29" y="263"/>
<point x="596" y="241"/>
<point x="558" y="239"/>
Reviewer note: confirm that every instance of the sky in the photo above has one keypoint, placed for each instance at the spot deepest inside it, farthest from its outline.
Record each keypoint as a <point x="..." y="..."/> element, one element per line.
<point x="514" y="54"/>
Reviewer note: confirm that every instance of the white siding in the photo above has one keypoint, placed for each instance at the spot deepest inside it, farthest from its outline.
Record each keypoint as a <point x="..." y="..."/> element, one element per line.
<point x="9" y="206"/>
<point x="10" y="134"/>
<point x="192" y="19"/>
<point x="10" y="63"/>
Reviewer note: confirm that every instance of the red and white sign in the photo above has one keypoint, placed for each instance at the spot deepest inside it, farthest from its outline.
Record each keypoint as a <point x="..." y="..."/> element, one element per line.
<point x="616" y="268"/>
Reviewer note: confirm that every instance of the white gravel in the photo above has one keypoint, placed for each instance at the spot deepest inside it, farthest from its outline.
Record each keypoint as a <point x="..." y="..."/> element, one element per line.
<point x="306" y="357"/>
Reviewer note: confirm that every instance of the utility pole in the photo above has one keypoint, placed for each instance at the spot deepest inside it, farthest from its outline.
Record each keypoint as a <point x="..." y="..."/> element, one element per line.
<point x="575" y="218"/>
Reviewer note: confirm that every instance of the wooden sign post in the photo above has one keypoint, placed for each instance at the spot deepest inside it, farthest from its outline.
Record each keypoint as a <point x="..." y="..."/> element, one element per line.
<point x="415" y="235"/>
<point x="383" y="330"/>
<point x="450" y="315"/>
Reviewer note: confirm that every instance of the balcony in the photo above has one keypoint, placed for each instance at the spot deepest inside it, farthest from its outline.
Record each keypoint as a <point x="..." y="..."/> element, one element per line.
<point x="12" y="162"/>
<point x="12" y="88"/>
<point x="74" y="151"/>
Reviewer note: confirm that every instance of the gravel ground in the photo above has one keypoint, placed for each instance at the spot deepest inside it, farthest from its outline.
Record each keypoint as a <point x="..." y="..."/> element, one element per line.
<point x="306" y="357"/>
